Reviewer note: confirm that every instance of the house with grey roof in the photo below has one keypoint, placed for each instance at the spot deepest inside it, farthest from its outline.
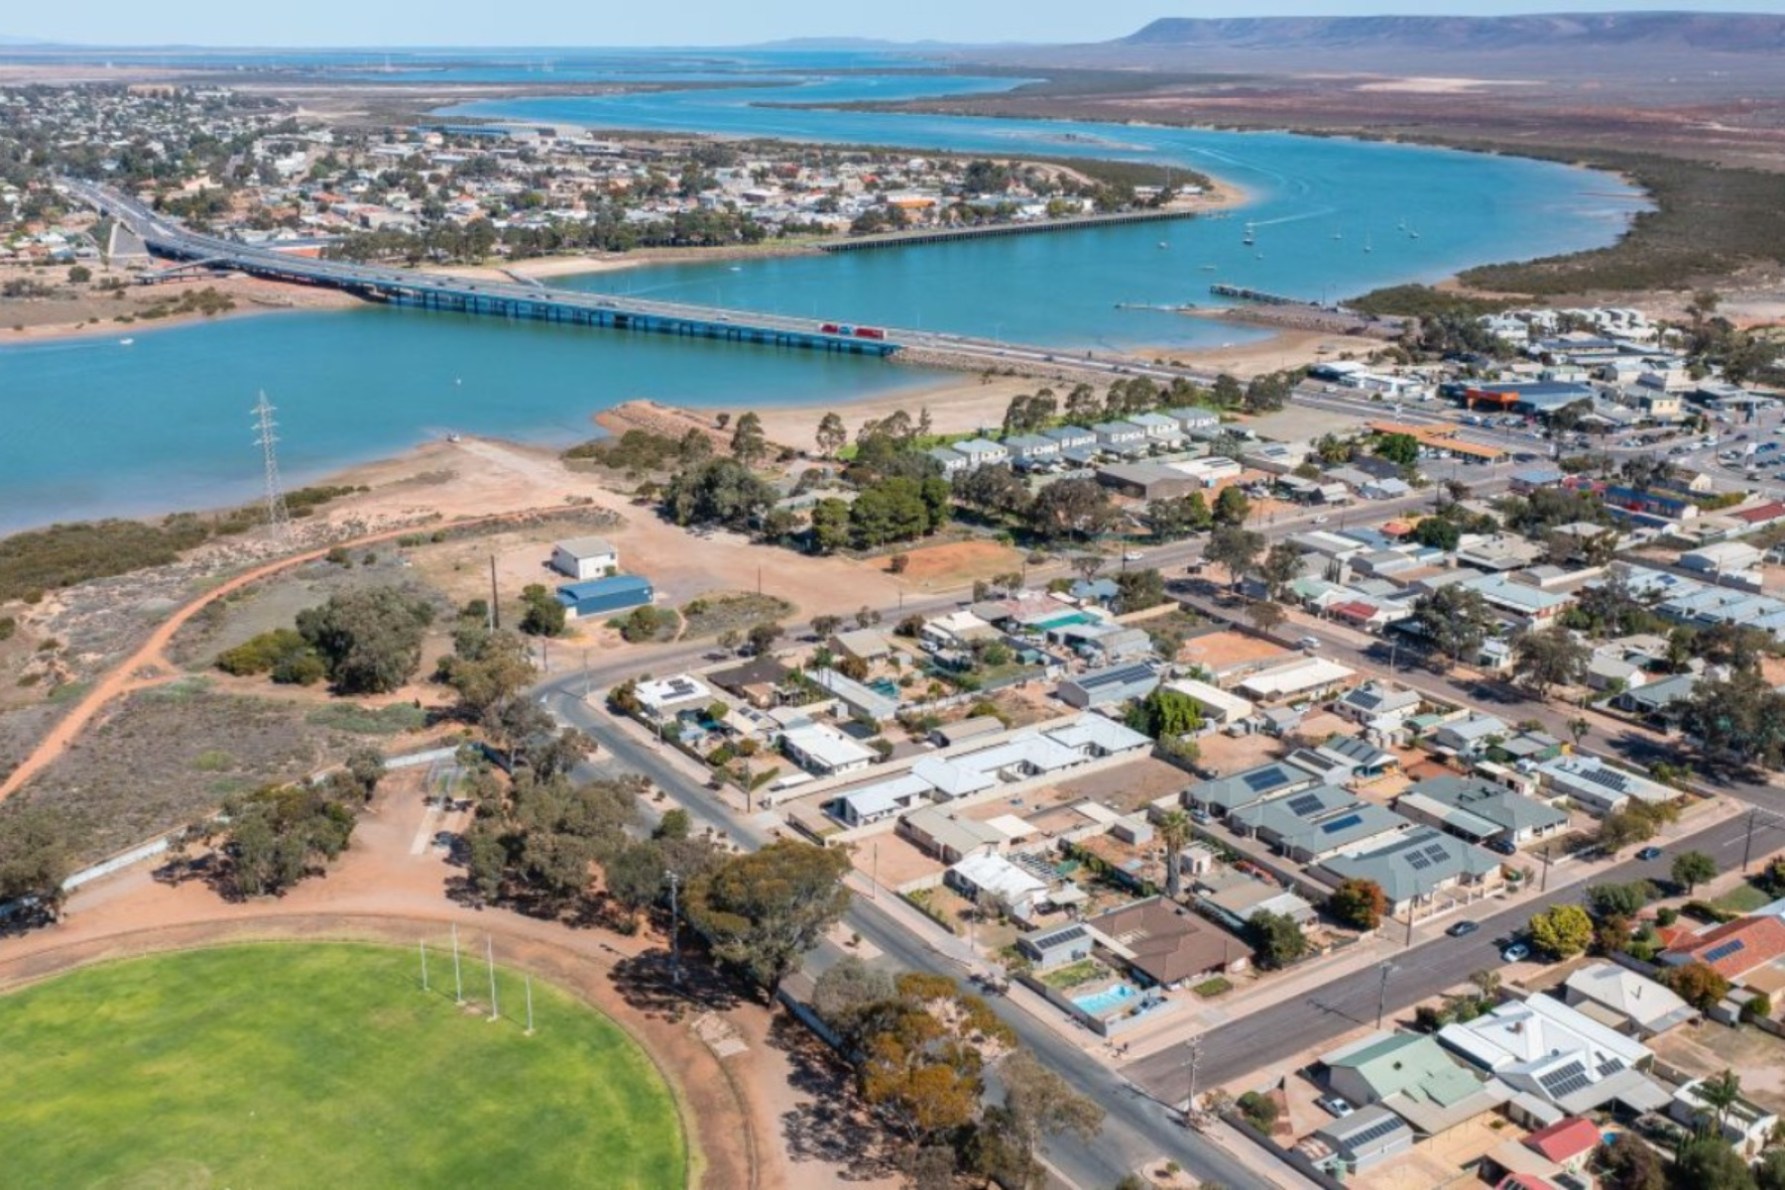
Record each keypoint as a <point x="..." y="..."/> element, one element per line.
<point x="1058" y="947"/>
<point x="1471" y="735"/>
<point x="1033" y="450"/>
<point x="1317" y="823"/>
<point x="952" y="461"/>
<point x="1479" y="811"/>
<point x="1071" y="437"/>
<point x="1417" y="868"/>
<point x="1377" y="706"/>
<point x="1631" y="1003"/>
<point x="982" y="452"/>
<point x="1221" y="796"/>
<point x="951" y="838"/>
<point x="1658" y="701"/>
<point x="1109" y="687"/>
<point x="1114" y="436"/>
<point x="1367" y="1137"/>
<point x="1190" y="419"/>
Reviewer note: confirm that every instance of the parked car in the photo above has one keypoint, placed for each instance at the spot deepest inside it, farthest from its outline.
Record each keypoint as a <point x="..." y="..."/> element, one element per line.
<point x="1133" y="556"/>
<point x="1518" y="952"/>
<point x="1502" y="847"/>
<point x="1463" y="929"/>
<point x="1649" y="853"/>
<point x="1333" y="1105"/>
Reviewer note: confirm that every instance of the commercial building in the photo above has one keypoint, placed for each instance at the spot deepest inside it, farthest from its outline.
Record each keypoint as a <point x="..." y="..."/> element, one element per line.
<point x="602" y="595"/>
<point x="583" y="558"/>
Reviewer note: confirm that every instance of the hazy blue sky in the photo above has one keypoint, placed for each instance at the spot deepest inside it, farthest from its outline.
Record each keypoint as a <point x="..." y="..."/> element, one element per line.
<point x="688" y="22"/>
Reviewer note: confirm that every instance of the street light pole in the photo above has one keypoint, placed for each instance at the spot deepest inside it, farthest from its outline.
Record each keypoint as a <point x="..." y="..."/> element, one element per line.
<point x="1192" y="1059"/>
<point x="1382" y="993"/>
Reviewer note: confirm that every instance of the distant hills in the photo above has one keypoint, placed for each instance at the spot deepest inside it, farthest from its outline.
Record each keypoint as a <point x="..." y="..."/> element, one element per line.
<point x="1715" y="32"/>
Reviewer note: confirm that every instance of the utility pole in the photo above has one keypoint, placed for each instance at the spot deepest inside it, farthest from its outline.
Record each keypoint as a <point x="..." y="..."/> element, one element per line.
<point x="495" y="609"/>
<point x="874" y="880"/>
<point x="278" y="515"/>
<point x="585" y="675"/>
<point x="1748" y="841"/>
<point x="1382" y="992"/>
<point x="675" y="933"/>
<point x="1192" y="1060"/>
<point x="424" y="965"/>
<point x="1544" y="887"/>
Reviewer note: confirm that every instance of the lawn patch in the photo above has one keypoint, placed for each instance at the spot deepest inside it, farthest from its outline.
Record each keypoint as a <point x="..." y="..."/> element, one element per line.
<point x="285" y="1065"/>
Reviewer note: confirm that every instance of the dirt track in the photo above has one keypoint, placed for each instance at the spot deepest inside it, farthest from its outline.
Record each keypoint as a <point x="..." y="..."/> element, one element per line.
<point x="147" y="665"/>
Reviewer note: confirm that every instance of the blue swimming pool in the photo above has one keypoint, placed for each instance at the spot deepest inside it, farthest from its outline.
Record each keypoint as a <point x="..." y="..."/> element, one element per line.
<point x="1065" y="621"/>
<point x="1099" y="1003"/>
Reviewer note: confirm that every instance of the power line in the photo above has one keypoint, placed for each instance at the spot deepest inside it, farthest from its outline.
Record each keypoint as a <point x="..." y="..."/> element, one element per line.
<point x="278" y="516"/>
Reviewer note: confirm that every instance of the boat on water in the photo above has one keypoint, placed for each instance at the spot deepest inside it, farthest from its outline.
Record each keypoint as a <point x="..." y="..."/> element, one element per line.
<point x="126" y="342"/>
<point x="1251" y="236"/>
<point x="1367" y="247"/>
<point x="1165" y="243"/>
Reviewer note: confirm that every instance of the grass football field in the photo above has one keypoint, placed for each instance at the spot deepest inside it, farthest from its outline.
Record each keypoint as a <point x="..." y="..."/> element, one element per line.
<point x="321" y="1066"/>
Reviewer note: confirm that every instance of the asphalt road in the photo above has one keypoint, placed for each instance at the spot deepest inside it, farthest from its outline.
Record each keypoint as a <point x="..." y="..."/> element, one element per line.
<point x="1136" y="1129"/>
<point x="1271" y="1038"/>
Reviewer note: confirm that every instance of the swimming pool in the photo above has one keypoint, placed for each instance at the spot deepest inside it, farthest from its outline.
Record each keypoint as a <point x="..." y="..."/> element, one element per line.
<point x="1098" y="1003"/>
<point x="884" y="686"/>
<point x="1065" y="621"/>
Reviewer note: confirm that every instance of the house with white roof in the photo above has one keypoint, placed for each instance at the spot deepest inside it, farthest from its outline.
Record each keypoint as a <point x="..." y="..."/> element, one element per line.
<point x="822" y="750"/>
<point x="1559" y="1062"/>
<point x="1378" y="707"/>
<point x="1020" y="892"/>
<point x="664" y="698"/>
<point x="1599" y="788"/>
<point x="1309" y="677"/>
<point x="881" y="801"/>
<point x="1621" y="999"/>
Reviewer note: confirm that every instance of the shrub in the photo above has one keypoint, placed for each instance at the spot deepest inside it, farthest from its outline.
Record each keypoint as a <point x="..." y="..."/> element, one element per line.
<point x="265" y="653"/>
<point x="1260" y="1111"/>
<point x="8" y="626"/>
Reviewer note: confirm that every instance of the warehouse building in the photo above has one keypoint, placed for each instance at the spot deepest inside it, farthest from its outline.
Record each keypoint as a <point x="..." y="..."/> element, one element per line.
<point x="600" y="596"/>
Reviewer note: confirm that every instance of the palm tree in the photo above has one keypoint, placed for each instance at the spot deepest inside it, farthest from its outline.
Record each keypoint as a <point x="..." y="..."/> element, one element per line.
<point x="1721" y="1094"/>
<point x="1578" y="727"/>
<point x="1175" y="833"/>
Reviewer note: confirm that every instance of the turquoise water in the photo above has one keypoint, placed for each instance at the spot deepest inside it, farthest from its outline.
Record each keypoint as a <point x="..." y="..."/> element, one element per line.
<point x="1099" y="1003"/>
<point x="93" y="428"/>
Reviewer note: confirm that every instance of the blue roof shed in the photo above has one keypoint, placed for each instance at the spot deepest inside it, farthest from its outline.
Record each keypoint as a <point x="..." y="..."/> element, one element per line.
<point x="599" y="595"/>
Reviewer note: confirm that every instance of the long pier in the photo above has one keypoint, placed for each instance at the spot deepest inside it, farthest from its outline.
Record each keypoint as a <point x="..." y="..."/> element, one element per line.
<point x="943" y="235"/>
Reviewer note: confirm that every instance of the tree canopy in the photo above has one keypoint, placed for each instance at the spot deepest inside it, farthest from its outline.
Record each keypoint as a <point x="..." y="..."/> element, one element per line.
<point x="763" y="910"/>
<point x="369" y="640"/>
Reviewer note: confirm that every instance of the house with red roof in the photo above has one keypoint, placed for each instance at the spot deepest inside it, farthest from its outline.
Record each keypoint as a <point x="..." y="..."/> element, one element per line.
<point x="1735" y="948"/>
<point x="1759" y="516"/>
<point x="1569" y="1143"/>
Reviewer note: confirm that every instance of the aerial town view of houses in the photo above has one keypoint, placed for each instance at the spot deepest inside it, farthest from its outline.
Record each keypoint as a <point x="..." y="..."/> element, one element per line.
<point x="1347" y="754"/>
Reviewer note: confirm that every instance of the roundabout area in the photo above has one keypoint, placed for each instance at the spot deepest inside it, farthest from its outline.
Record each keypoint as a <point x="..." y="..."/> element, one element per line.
<point x="305" y="1064"/>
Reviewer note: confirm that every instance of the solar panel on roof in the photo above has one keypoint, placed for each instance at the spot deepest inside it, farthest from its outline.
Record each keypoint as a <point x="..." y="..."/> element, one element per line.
<point x="1376" y="1131"/>
<point x="1417" y="861"/>
<point x="1340" y="824"/>
<point x="1264" y="779"/>
<point x="1437" y="852"/>
<point x="1610" y="778"/>
<point x="1304" y="804"/>
<point x="1560" y="1083"/>
<point x="1723" y="950"/>
<point x="1610" y="1066"/>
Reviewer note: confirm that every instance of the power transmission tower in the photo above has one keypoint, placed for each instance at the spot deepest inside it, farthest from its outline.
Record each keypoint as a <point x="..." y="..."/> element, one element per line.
<point x="278" y="516"/>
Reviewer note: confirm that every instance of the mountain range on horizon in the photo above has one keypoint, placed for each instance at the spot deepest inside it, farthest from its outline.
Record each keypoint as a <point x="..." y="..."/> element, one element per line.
<point x="1746" y="33"/>
<point x="1719" y="32"/>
